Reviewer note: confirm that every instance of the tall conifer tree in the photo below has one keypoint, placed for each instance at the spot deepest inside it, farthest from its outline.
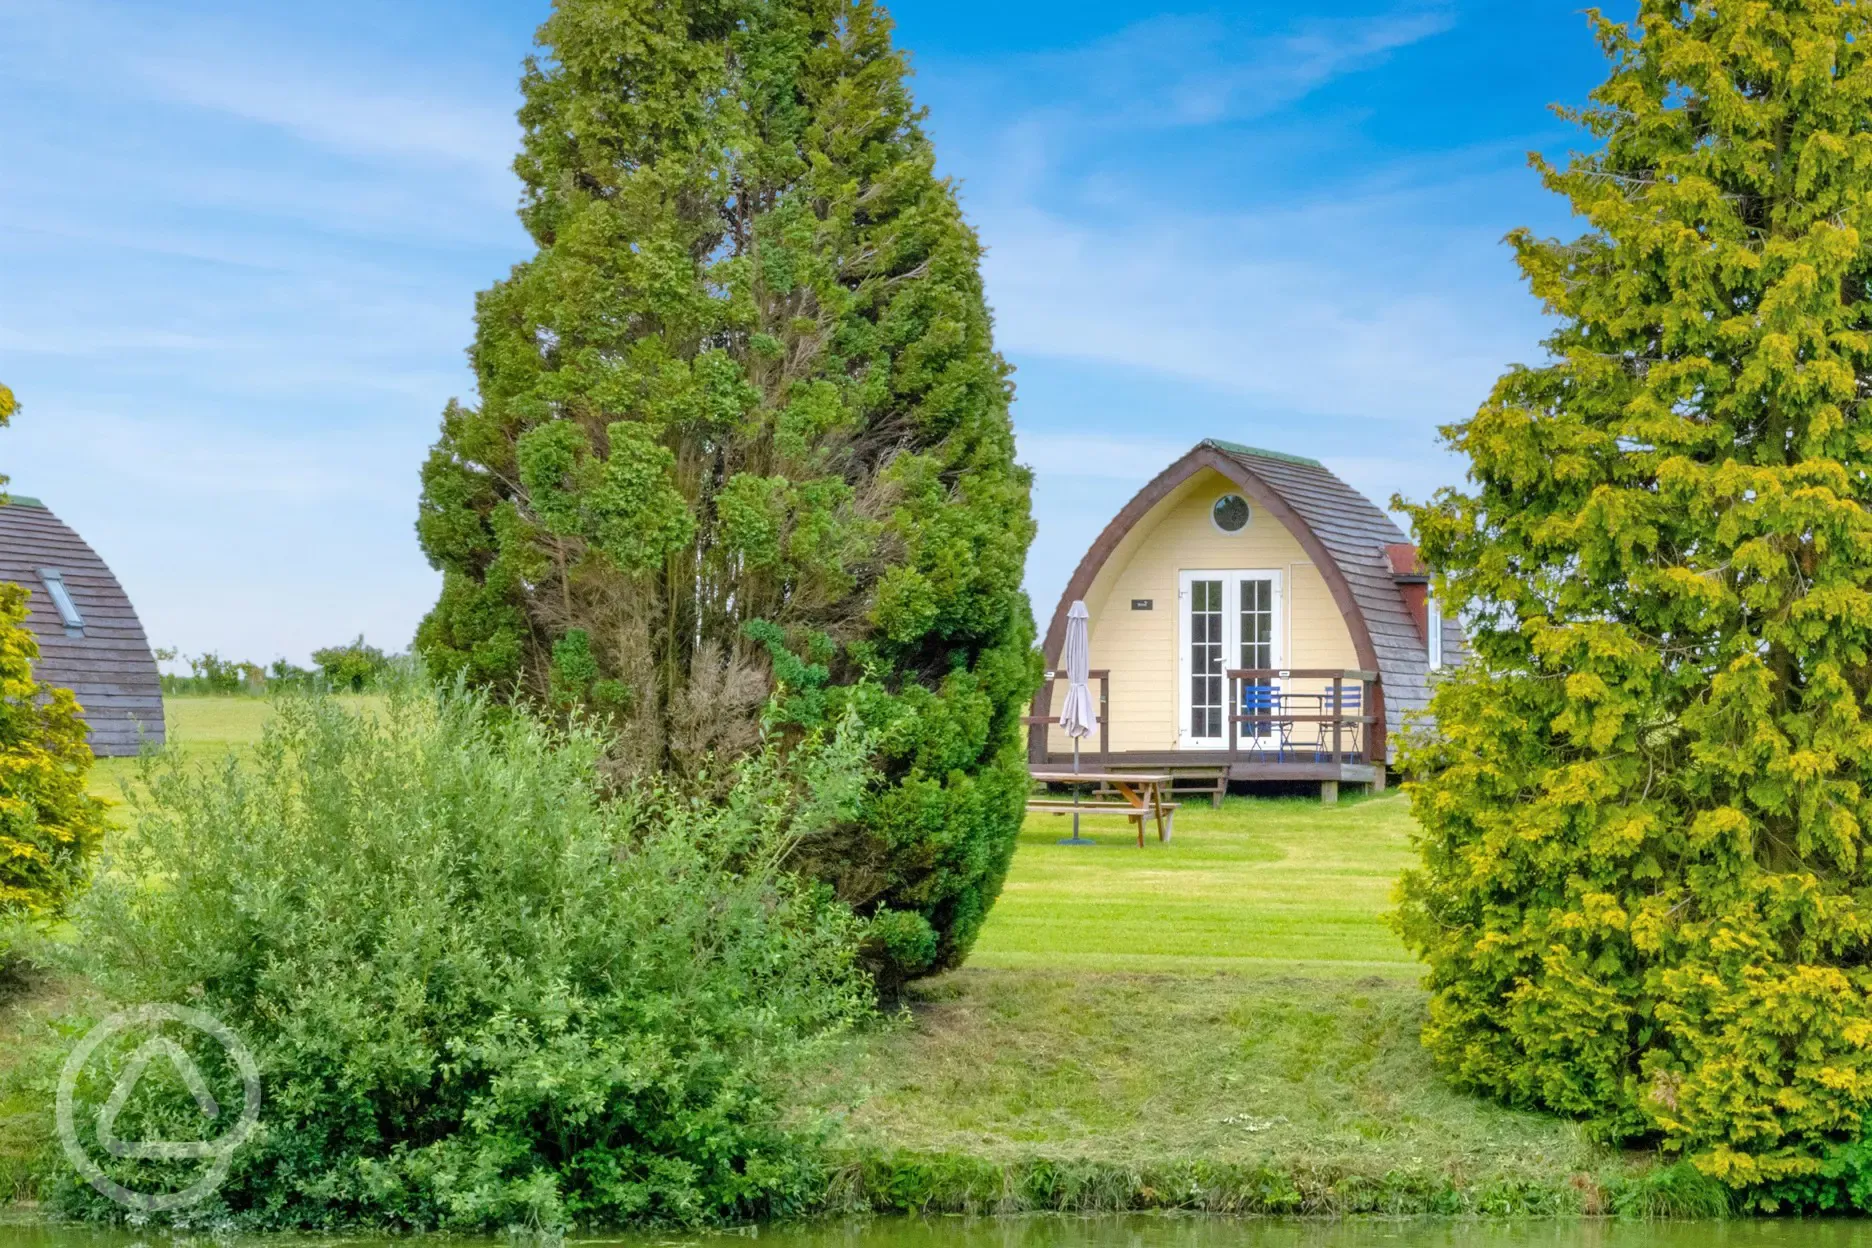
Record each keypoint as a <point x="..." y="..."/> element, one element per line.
<point x="1646" y="895"/>
<point x="743" y="439"/>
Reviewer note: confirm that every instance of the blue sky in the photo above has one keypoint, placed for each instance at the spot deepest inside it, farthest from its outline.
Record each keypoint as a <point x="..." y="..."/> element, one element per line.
<point x="239" y="244"/>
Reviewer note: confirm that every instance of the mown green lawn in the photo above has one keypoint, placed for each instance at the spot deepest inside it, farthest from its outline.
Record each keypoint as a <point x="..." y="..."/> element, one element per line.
<point x="199" y="727"/>
<point x="1259" y="884"/>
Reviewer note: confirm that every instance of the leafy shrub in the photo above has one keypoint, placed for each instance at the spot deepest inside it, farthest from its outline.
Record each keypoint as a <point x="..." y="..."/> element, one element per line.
<point x="49" y="827"/>
<point x="480" y="996"/>
<point x="352" y="667"/>
<point x="748" y="382"/>
<point x="1646" y="896"/>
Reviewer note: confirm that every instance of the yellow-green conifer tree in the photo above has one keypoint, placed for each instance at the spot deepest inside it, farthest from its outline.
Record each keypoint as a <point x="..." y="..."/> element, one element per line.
<point x="1645" y="896"/>
<point x="49" y="826"/>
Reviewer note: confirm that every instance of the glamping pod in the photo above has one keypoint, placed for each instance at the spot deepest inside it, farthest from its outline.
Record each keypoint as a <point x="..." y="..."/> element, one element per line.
<point x="1254" y="618"/>
<point x="90" y="640"/>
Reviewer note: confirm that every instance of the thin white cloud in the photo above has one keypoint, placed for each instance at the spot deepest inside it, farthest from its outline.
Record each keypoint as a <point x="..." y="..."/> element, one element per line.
<point x="166" y="456"/>
<point x="353" y="118"/>
<point x="1343" y="316"/>
<point x="1102" y="456"/>
<point x="1179" y="70"/>
<point x="1191" y="70"/>
<point x="95" y="341"/>
<point x="1290" y="325"/>
<point x="390" y="113"/>
<point x="1356" y="299"/>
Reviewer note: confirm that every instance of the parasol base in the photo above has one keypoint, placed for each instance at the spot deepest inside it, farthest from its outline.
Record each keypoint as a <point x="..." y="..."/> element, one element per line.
<point x="1075" y="840"/>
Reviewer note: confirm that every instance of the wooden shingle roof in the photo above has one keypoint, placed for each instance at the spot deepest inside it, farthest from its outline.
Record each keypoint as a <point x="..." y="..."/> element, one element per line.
<point x="107" y="662"/>
<point x="1356" y="533"/>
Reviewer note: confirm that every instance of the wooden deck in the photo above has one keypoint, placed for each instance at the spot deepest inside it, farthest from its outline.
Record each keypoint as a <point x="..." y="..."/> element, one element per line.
<point x="1239" y="768"/>
<point x="1346" y="731"/>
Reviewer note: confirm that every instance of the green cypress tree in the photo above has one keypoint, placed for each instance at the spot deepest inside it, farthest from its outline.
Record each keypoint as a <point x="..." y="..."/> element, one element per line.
<point x="743" y="440"/>
<point x="1645" y="895"/>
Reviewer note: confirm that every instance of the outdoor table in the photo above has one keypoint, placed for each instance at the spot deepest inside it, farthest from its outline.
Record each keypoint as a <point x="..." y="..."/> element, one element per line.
<point x="1280" y="730"/>
<point x="1145" y="794"/>
<point x="1315" y="704"/>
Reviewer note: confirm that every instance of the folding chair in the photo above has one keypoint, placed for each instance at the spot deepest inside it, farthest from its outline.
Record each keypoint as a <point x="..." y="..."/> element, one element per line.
<point x="1261" y="697"/>
<point x="1351" y="703"/>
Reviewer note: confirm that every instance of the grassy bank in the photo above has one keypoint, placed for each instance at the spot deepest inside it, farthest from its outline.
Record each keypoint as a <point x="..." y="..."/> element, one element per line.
<point x="1222" y="1023"/>
<point x="1017" y="1090"/>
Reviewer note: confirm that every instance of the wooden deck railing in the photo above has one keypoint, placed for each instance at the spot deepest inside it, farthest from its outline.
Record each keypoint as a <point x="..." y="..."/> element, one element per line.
<point x="1361" y="726"/>
<point x="1332" y="697"/>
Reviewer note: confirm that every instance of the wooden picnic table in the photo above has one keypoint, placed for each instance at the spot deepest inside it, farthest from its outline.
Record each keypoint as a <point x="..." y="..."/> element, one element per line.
<point x="1145" y="796"/>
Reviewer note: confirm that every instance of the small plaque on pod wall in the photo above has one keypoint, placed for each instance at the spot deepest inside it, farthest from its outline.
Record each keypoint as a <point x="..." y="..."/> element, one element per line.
<point x="1141" y="604"/>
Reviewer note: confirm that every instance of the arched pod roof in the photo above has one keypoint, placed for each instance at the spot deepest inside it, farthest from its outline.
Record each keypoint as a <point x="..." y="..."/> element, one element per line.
<point x="104" y="657"/>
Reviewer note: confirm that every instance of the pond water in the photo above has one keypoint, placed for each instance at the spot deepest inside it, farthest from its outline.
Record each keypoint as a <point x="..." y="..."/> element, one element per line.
<point x="1101" y="1232"/>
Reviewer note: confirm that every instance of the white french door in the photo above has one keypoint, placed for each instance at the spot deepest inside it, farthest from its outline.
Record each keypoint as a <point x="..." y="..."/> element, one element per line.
<point x="1225" y="620"/>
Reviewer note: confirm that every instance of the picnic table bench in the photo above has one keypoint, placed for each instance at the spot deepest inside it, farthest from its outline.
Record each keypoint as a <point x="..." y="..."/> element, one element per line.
<point x="1143" y="796"/>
